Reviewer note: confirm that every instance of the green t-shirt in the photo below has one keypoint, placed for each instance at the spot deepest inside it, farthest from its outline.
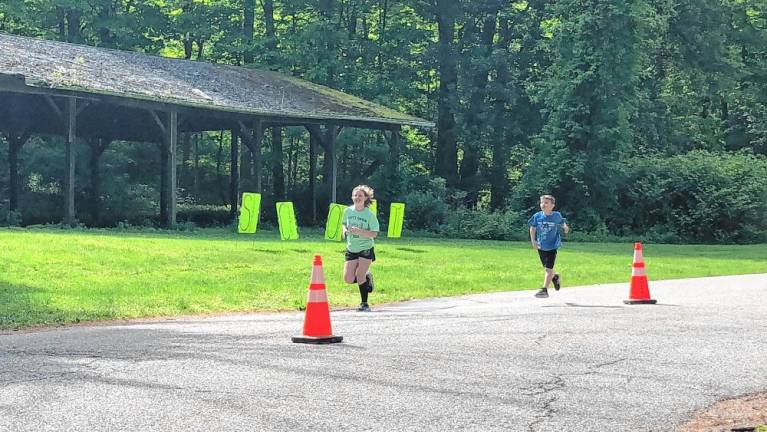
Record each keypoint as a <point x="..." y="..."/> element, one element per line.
<point x="364" y="219"/>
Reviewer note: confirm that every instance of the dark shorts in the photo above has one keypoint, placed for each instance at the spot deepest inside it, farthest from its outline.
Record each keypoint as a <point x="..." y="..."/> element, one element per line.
<point x="367" y="254"/>
<point x="548" y="257"/>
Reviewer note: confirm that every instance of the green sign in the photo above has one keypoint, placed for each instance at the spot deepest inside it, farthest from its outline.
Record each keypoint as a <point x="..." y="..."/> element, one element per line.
<point x="251" y="205"/>
<point x="333" y="229"/>
<point x="396" y="220"/>
<point x="286" y="218"/>
<point x="374" y="207"/>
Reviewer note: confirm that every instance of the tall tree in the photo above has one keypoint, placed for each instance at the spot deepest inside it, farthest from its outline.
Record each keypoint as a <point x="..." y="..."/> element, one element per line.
<point x="588" y="94"/>
<point x="446" y="164"/>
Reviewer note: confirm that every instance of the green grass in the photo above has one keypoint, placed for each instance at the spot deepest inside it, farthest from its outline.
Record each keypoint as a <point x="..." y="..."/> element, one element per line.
<point x="50" y="277"/>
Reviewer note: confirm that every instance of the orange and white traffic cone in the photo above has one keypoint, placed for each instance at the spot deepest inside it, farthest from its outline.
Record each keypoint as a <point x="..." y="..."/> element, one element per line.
<point x="317" y="328"/>
<point x="640" y="291"/>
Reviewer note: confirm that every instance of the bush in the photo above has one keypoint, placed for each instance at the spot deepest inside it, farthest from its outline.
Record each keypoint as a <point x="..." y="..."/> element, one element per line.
<point x="203" y="215"/>
<point x="694" y="197"/>
<point x="479" y="224"/>
<point x="426" y="205"/>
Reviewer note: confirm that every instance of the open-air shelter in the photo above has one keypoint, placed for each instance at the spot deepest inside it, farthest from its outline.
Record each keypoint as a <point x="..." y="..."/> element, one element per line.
<point x="102" y="95"/>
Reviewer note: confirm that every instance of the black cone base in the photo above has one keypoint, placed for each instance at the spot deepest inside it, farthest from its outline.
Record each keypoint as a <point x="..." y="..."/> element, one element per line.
<point x="317" y="340"/>
<point x="633" y="302"/>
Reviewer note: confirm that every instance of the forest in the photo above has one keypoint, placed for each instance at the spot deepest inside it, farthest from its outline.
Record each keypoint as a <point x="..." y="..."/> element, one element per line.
<point x="644" y="118"/>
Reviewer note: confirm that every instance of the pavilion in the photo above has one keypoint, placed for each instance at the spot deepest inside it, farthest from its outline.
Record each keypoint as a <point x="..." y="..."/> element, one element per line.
<point x="102" y="95"/>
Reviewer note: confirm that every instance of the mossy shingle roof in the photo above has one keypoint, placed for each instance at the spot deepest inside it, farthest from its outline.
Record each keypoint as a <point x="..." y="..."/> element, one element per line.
<point x="86" y="69"/>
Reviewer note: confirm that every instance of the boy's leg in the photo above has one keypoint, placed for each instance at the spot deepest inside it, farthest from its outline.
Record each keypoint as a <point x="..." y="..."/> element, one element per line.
<point x="547" y="277"/>
<point x="547" y="260"/>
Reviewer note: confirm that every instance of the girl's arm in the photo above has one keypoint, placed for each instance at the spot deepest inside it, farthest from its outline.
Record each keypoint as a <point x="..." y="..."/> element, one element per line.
<point x="363" y="233"/>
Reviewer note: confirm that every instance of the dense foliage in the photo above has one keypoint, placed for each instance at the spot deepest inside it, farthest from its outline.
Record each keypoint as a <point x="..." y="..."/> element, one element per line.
<point x="644" y="117"/>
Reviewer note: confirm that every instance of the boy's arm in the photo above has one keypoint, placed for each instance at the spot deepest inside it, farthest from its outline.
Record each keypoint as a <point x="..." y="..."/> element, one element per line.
<point x="532" y="238"/>
<point x="565" y="227"/>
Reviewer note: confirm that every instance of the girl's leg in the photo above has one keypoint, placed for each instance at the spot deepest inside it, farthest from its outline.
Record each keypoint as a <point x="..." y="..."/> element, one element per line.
<point x="350" y="271"/>
<point x="363" y="265"/>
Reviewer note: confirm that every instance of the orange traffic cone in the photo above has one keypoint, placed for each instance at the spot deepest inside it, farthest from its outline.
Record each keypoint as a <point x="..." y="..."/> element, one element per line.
<point x="317" y="321"/>
<point x="640" y="292"/>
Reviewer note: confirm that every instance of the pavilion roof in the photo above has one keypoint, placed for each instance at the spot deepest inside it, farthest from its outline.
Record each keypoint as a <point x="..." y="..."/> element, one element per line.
<point x="85" y="69"/>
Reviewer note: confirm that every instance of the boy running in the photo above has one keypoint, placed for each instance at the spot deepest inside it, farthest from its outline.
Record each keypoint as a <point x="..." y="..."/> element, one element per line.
<point x="545" y="238"/>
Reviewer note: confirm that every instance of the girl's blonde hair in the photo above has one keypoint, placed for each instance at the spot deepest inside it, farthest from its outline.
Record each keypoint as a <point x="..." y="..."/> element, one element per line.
<point x="368" y="191"/>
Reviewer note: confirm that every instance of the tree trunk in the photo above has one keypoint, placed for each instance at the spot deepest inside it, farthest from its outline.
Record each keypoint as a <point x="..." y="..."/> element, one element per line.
<point x="499" y="121"/>
<point x="163" y="182"/>
<point x="73" y="26"/>
<point x="475" y="115"/>
<point x="219" y="161"/>
<point x="234" y="180"/>
<point x="271" y="34"/>
<point x="249" y="17"/>
<point x="15" y="142"/>
<point x="97" y="150"/>
<point x="446" y="165"/>
<point x="313" y="175"/>
<point x="186" y="156"/>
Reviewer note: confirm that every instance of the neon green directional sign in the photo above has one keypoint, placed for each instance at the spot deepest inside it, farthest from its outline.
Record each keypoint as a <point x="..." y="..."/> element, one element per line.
<point x="374" y="207"/>
<point x="286" y="218"/>
<point x="251" y="205"/>
<point x="396" y="220"/>
<point x="333" y="229"/>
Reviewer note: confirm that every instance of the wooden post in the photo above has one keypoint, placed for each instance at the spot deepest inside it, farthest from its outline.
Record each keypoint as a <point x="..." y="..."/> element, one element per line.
<point x="69" y="170"/>
<point x="171" y="145"/>
<point x="234" y="183"/>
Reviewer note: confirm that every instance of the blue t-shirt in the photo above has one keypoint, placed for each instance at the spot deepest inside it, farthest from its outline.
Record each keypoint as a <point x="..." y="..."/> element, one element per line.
<point x="547" y="229"/>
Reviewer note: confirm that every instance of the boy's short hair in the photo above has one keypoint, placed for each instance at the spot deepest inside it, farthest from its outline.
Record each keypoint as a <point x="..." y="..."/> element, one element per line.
<point x="550" y="198"/>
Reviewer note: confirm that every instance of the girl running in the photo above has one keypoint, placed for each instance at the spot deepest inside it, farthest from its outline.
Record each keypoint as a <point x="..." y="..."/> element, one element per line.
<point x="360" y="227"/>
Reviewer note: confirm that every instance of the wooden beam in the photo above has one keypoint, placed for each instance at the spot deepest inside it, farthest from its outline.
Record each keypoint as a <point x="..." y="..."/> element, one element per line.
<point x="83" y="104"/>
<point x="55" y="107"/>
<point x="159" y="122"/>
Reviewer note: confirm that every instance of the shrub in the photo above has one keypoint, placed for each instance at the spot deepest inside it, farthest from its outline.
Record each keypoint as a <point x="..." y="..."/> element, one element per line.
<point x="479" y="224"/>
<point x="698" y="196"/>
<point x="203" y="215"/>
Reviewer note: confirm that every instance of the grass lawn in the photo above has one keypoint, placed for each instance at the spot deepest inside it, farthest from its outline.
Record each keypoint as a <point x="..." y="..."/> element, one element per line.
<point x="50" y="276"/>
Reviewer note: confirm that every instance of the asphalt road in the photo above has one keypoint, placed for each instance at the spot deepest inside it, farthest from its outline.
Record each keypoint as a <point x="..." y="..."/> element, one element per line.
<point x="580" y="360"/>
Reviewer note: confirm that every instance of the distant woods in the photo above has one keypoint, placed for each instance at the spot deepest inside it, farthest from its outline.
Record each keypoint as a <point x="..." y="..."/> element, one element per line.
<point x="643" y="117"/>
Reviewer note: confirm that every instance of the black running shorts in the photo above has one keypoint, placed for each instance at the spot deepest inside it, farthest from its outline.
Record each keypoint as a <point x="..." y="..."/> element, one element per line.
<point x="367" y="254"/>
<point x="548" y="257"/>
